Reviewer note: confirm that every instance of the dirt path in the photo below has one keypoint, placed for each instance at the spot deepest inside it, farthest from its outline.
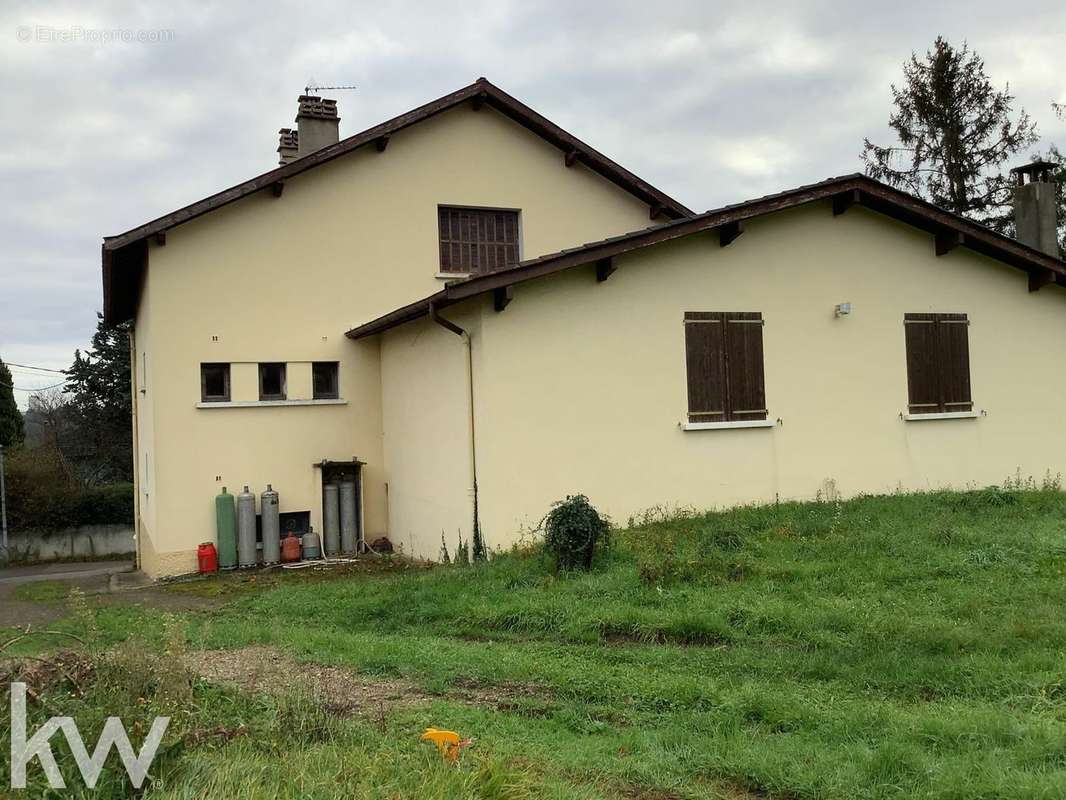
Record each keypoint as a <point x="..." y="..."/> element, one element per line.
<point x="272" y="671"/>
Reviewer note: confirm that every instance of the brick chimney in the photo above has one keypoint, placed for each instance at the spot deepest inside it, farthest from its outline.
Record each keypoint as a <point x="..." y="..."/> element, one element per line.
<point x="1035" y="214"/>
<point x="287" y="145"/>
<point x="318" y="124"/>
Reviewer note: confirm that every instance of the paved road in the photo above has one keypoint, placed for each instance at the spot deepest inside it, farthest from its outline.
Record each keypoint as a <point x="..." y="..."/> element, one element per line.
<point x="13" y="576"/>
<point x="90" y="576"/>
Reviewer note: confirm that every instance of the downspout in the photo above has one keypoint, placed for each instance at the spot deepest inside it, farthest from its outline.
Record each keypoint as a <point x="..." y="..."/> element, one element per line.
<point x="136" y="451"/>
<point x="448" y="325"/>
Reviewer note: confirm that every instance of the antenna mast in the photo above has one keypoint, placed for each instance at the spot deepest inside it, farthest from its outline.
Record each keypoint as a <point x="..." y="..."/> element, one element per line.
<point x="309" y="89"/>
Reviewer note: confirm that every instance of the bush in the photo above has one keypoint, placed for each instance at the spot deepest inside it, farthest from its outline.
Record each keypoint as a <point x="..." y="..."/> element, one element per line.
<point x="572" y="531"/>
<point x="42" y="495"/>
<point x="105" y="505"/>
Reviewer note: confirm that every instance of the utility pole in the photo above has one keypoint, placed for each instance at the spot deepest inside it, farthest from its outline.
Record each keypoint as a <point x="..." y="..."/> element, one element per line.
<point x="3" y="506"/>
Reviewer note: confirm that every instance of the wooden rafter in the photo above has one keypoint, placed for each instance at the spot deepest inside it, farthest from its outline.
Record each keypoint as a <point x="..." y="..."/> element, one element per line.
<point x="502" y="297"/>
<point x="946" y="241"/>
<point x="728" y="233"/>
<point x="1039" y="278"/>
<point x="604" y="269"/>
<point x="845" y="200"/>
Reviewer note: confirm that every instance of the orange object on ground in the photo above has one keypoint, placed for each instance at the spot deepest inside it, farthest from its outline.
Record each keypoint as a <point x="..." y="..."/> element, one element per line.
<point x="448" y="743"/>
<point x="290" y="548"/>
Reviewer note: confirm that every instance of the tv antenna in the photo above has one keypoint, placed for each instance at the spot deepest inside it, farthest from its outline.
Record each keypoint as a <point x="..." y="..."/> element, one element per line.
<point x="309" y="89"/>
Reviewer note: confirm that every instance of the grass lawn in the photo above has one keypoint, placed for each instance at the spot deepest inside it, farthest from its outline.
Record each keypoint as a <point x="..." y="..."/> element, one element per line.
<point x="884" y="647"/>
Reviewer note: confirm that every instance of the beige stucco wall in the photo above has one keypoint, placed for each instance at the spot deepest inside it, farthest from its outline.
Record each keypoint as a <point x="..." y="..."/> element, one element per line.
<point x="281" y="279"/>
<point x="425" y="401"/>
<point x="581" y="386"/>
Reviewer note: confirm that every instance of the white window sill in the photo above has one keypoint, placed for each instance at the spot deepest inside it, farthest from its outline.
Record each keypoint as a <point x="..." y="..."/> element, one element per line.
<point x="271" y="403"/>
<point x="724" y="426"/>
<point x="452" y="276"/>
<point x="942" y="415"/>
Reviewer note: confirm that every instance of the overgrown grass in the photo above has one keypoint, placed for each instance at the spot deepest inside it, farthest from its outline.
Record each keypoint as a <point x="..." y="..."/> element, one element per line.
<point x="41" y="592"/>
<point x="883" y="647"/>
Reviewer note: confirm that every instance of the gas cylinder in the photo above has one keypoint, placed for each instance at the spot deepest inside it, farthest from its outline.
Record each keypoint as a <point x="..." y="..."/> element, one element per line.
<point x="207" y="558"/>
<point x="290" y="548"/>
<point x="246" y="556"/>
<point x="312" y="548"/>
<point x="268" y="509"/>
<point x="226" y="529"/>
<point x="331" y="519"/>
<point x="347" y="498"/>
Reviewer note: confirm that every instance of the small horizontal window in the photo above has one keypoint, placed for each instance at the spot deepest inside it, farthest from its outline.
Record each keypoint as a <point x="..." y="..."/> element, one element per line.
<point x="272" y="381"/>
<point x="214" y="383"/>
<point x="324" y="380"/>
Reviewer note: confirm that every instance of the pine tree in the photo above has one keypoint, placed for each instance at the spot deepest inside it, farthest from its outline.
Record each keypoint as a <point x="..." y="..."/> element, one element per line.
<point x="1056" y="156"/>
<point x="98" y="383"/>
<point x="955" y="132"/>
<point x="12" y="431"/>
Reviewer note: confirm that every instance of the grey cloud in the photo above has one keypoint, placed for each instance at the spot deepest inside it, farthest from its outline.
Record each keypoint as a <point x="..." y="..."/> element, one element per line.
<point x="713" y="103"/>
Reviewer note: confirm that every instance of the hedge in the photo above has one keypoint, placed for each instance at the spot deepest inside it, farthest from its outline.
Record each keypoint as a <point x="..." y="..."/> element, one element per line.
<point x="41" y="497"/>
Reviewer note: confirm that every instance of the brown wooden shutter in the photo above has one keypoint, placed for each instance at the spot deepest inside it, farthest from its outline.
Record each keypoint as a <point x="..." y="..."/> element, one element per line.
<point x="705" y="359"/>
<point x="923" y="380"/>
<point x="938" y="363"/>
<point x="746" y="394"/>
<point x="477" y="240"/>
<point x="724" y="355"/>
<point x="953" y="356"/>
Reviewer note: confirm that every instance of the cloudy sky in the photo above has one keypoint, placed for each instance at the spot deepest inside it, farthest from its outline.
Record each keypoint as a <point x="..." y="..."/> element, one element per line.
<point x="711" y="102"/>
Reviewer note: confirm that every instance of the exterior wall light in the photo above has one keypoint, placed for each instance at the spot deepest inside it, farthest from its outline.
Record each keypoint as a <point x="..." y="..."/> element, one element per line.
<point x="842" y="309"/>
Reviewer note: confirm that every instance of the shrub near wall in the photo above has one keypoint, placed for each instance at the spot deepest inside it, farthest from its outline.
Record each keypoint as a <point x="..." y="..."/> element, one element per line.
<point x="42" y="497"/>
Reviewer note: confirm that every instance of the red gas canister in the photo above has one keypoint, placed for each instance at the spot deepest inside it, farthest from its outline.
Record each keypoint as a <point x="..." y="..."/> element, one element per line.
<point x="290" y="548"/>
<point x="207" y="557"/>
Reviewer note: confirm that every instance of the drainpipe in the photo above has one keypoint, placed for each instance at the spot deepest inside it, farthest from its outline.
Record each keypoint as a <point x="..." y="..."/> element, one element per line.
<point x="448" y="325"/>
<point x="136" y="451"/>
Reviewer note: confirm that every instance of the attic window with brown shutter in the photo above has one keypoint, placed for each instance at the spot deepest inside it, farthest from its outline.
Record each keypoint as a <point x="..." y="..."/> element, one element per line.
<point x="724" y="360"/>
<point x="938" y="364"/>
<point x="475" y="240"/>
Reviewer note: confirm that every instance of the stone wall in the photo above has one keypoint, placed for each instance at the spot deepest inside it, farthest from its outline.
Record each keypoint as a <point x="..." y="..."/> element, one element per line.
<point x="86" y="542"/>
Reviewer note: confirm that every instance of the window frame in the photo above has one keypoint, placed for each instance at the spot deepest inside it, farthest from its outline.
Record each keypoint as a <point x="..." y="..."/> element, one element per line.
<point x="335" y="393"/>
<point x="227" y="384"/>
<point x="725" y="360"/>
<point x="936" y="366"/>
<point x="469" y="269"/>
<point x="264" y="396"/>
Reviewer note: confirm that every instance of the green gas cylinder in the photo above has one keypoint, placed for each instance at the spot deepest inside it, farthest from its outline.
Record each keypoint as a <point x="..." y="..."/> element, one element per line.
<point x="226" y="528"/>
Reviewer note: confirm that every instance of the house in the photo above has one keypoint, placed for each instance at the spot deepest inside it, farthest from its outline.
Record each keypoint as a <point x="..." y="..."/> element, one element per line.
<point x="475" y="313"/>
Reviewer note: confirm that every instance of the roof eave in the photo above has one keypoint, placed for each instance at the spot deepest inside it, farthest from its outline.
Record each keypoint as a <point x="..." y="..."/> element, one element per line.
<point x="482" y="89"/>
<point x="871" y="194"/>
<point x="481" y="92"/>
